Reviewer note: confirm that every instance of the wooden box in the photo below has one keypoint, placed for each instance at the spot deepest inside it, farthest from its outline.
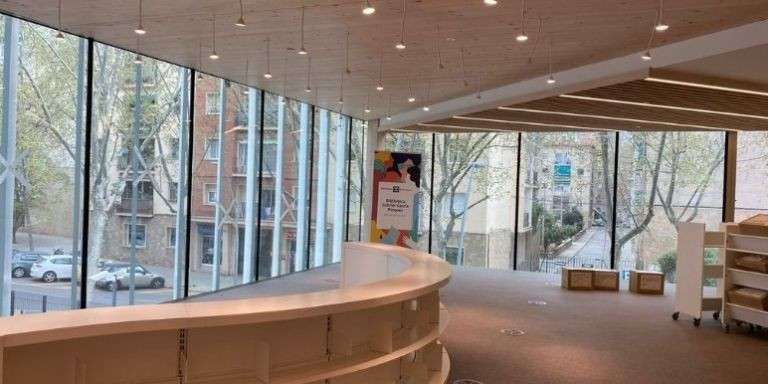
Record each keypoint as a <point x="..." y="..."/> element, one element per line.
<point x="578" y="278"/>
<point x="757" y="263"/>
<point x="756" y="225"/>
<point x="647" y="282"/>
<point x="749" y="297"/>
<point x="606" y="280"/>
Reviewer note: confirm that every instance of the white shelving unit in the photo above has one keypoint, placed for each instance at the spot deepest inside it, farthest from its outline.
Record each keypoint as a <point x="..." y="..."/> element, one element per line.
<point x="690" y="298"/>
<point x="739" y="244"/>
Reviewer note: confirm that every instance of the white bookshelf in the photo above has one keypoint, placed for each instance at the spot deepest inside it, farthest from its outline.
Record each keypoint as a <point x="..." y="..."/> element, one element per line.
<point x="738" y="244"/>
<point x="690" y="297"/>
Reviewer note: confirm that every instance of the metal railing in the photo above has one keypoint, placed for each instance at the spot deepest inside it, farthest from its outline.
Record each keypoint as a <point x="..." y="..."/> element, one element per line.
<point x="26" y="303"/>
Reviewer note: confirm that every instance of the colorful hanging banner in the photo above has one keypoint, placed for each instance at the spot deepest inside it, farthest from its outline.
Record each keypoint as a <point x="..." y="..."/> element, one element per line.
<point x="396" y="198"/>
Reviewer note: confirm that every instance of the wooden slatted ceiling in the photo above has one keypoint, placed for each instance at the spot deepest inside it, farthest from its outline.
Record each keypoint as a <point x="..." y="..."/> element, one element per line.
<point x="581" y="32"/>
<point x="641" y="105"/>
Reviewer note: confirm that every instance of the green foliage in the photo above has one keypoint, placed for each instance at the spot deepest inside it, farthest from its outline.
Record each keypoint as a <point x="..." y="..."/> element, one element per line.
<point x="668" y="264"/>
<point x="574" y="218"/>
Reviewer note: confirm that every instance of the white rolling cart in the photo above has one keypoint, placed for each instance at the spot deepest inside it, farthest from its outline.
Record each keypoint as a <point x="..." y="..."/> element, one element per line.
<point x="738" y="244"/>
<point x="690" y="298"/>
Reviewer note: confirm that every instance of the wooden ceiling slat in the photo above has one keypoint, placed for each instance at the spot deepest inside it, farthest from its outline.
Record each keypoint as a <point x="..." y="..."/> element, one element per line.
<point x="682" y="96"/>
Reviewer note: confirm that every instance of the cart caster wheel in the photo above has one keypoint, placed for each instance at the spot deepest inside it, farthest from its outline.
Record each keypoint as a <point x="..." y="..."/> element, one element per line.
<point x="727" y="328"/>
<point x="696" y="322"/>
<point x="675" y="316"/>
<point x="716" y="315"/>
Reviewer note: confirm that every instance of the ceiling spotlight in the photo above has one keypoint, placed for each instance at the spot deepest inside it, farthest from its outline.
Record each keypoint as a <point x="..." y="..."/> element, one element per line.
<point x="490" y="2"/>
<point x="367" y="110"/>
<point x="389" y="117"/>
<point x="381" y="67"/>
<point x="522" y="37"/>
<point x="140" y="28"/>
<point x="425" y="108"/>
<point x="307" y="89"/>
<point x="661" y="26"/>
<point x="302" y="51"/>
<point x="647" y="56"/>
<point x="137" y="59"/>
<point x="368" y="9"/>
<point x="59" y="36"/>
<point x="241" y="21"/>
<point x="214" y="55"/>
<point x="401" y="44"/>
<point x="341" y="101"/>
<point x="379" y="87"/>
<point x="411" y="99"/>
<point x="551" y="80"/>
<point x="267" y="75"/>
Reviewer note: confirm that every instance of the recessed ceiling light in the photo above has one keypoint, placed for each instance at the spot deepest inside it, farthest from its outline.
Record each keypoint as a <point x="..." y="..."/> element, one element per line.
<point x="490" y="2"/>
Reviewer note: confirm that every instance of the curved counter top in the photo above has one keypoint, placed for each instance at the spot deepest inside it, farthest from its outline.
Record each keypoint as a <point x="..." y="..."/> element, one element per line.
<point x="379" y="282"/>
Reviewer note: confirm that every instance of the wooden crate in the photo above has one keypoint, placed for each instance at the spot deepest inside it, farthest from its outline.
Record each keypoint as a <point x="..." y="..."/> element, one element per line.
<point x="606" y="280"/>
<point x="647" y="282"/>
<point x="578" y="279"/>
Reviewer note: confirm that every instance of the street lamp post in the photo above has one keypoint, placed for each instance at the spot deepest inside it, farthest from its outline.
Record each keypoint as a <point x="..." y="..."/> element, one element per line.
<point x="472" y="167"/>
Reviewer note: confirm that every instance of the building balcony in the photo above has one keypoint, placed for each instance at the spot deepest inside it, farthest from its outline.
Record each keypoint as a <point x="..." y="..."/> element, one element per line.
<point x="144" y="207"/>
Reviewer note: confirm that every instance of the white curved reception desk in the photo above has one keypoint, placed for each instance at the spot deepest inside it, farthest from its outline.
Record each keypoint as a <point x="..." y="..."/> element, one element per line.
<point x="381" y="326"/>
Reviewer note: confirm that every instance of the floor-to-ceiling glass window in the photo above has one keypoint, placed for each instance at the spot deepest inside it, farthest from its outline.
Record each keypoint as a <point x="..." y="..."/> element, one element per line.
<point x="751" y="175"/>
<point x="474" y="198"/>
<point x="135" y="170"/>
<point x="356" y="161"/>
<point x="566" y="182"/>
<point x="665" y="178"/>
<point x="42" y="140"/>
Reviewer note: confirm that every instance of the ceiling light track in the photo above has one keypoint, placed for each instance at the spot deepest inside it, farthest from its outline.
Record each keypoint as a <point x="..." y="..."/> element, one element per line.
<point x="661" y="106"/>
<point x="533" y="124"/>
<point x="707" y="86"/>
<point x="611" y="118"/>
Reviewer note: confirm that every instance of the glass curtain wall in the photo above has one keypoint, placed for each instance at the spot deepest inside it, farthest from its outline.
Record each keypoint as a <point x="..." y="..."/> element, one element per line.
<point x="246" y="223"/>
<point x="566" y="182"/>
<point x="751" y="175"/>
<point x="665" y="178"/>
<point x="355" y="176"/>
<point x="43" y="140"/>
<point x="135" y="171"/>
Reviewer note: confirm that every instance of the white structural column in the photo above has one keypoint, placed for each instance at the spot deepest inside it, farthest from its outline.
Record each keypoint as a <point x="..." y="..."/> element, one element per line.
<point x="277" y="230"/>
<point x="217" y="242"/>
<point x="181" y="188"/>
<point x="251" y="190"/>
<point x="322" y="188"/>
<point x="303" y="194"/>
<point x="371" y="145"/>
<point x="8" y="155"/>
<point x="340" y="196"/>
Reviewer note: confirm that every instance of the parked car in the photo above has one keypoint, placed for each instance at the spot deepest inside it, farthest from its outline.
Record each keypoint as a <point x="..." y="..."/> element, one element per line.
<point x="119" y="273"/>
<point x="53" y="268"/>
<point x="22" y="262"/>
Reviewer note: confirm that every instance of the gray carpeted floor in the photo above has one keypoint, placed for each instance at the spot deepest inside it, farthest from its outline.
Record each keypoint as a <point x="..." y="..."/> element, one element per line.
<point x="577" y="337"/>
